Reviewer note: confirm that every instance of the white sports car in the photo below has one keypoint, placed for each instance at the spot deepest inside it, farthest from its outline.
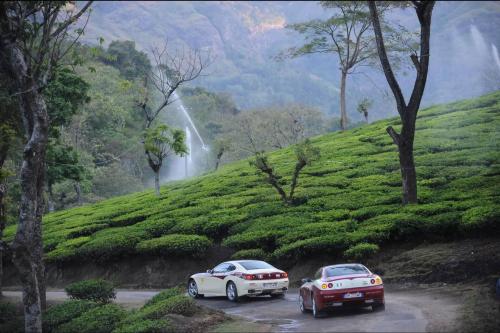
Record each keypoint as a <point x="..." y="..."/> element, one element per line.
<point x="239" y="278"/>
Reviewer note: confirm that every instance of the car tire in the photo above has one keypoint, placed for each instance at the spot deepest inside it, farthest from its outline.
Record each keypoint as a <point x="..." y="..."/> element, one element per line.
<point x="316" y="313"/>
<point x="232" y="292"/>
<point x="302" y="306"/>
<point x="378" y="307"/>
<point x="193" y="289"/>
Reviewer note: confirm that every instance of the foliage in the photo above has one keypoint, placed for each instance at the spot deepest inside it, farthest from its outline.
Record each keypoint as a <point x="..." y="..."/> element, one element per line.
<point x="165" y="294"/>
<point x="101" y="319"/>
<point x="59" y="314"/>
<point x="64" y="94"/>
<point x="145" y="326"/>
<point x="131" y="63"/>
<point x="176" y="245"/>
<point x="94" y="290"/>
<point x="161" y="141"/>
<point x="178" y="304"/>
<point x="352" y="190"/>
<point x="250" y="254"/>
<point x="361" y="251"/>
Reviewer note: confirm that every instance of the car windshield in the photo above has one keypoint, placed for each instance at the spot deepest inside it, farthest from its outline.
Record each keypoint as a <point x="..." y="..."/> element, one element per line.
<point x="254" y="264"/>
<point x="345" y="270"/>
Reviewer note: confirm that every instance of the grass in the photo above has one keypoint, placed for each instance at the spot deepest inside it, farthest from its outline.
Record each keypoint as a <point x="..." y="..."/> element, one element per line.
<point x="350" y="197"/>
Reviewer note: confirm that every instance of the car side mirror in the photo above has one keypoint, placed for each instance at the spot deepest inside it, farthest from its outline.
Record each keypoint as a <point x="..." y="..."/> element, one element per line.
<point x="210" y="271"/>
<point x="306" y="280"/>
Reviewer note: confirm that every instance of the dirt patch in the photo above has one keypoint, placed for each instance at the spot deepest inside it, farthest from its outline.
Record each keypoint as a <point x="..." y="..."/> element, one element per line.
<point x="130" y="272"/>
<point x="453" y="262"/>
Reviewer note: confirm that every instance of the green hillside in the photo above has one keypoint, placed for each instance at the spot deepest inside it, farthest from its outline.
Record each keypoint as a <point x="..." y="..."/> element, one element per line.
<point x="349" y="197"/>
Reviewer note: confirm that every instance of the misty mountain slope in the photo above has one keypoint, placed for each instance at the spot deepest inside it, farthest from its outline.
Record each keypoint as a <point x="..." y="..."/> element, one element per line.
<point x="244" y="36"/>
<point x="349" y="200"/>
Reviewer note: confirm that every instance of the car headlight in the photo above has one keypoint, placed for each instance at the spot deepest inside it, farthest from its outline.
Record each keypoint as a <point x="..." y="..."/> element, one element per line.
<point x="376" y="281"/>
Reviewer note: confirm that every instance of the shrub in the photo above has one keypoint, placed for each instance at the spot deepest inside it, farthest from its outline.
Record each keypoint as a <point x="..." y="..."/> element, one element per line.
<point x="145" y="326"/>
<point x="94" y="290"/>
<point x="178" y="304"/>
<point x="361" y="251"/>
<point x="101" y="319"/>
<point x="176" y="244"/>
<point x="481" y="218"/>
<point x="65" y="312"/>
<point x="165" y="294"/>
<point x="250" y="254"/>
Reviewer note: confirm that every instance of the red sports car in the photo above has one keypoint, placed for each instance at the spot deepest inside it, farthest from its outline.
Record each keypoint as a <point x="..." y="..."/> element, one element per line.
<point x="339" y="286"/>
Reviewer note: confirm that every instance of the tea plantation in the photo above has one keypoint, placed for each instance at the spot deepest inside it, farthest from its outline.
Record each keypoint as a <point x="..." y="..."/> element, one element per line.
<point x="349" y="199"/>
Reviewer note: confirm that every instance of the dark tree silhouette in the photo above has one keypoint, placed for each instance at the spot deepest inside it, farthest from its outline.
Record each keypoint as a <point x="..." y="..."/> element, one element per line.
<point x="407" y="111"/>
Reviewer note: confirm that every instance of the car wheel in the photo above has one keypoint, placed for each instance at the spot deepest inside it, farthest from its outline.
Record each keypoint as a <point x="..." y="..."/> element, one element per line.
<point x="232" y="292"/>
<point x="193" y="289"/>
<point x="316" y="312"/>
<point x="302" y="307"/>
<point x="378" y="307"/>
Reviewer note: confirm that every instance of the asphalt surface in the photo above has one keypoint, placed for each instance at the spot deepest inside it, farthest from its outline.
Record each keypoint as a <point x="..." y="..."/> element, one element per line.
<point x="406" y="311"/>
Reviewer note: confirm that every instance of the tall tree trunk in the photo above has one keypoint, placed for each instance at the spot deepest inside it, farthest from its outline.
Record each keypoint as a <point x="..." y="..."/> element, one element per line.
<point x="157" y="182"/>
<point x="27" y="248"/>
<point x="51" y="199"/>
<point x="78" y="190"/>
<point x="407" y="112"/>
<point x="3" y="217"/>
<point x="218" y="158"/>
<point x="343" y="111"/>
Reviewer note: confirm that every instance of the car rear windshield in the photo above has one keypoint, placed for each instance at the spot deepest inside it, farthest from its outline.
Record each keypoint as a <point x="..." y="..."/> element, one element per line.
<point x="345" y="270"/>
<point x="254" y="264"/>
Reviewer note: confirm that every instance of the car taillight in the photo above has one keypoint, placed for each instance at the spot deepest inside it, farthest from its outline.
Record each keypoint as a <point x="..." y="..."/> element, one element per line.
<point x="249" y="277"/>
<point x="372" y="281"/>
<point x="284" y="275"/>
<point x="330" y="285"/>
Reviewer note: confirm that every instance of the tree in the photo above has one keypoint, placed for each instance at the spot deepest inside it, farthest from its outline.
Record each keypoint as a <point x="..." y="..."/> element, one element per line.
<point x="130" y="62"/>
<point x="34" y="38"/>
<point x="346" y="34"/>
<point x="407" y="111"/>
<point x="160" y="142"/>
<point x="305" y="153"/>
<point x="10" y="129"/>
<point x="364" y="106"/>
<point x="221" y="146"/>
<point x="171" y="70"/>
<point x="62" y="163"/>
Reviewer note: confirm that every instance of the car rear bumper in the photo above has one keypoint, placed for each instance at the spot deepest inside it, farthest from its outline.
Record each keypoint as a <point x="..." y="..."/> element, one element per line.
<point x="267" y="287"/>
<point x="336" y="298"/>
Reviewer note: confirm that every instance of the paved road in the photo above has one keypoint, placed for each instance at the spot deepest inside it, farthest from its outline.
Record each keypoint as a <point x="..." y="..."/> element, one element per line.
<point x="129" y="298"/>
<point x="406" y="311"/>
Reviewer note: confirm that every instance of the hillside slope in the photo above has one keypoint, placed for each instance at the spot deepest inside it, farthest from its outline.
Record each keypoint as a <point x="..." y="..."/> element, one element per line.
<point x="349" y="197"/>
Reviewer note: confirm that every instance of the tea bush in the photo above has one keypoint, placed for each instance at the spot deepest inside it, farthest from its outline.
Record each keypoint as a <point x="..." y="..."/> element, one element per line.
<point x="351" y="195"/>
<point x="101" y="319"/>
<point x="62" y="313"/>
<point x="98" y="290"/>
<point x="176" y="244"/>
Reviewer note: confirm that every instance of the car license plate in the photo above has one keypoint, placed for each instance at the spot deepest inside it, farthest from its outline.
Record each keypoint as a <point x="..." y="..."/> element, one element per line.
<point x="270" y="285"/>
<point x="353" y="295"/>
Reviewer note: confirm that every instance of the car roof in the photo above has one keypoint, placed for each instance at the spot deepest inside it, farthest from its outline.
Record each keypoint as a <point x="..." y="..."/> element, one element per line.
<point x="238" y="261"/>
<point x="344" y="265"/>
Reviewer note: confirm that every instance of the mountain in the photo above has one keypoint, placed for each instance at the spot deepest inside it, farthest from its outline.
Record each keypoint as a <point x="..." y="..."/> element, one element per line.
<point x="245" y="37"/>
<point x="348" y="200"/>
